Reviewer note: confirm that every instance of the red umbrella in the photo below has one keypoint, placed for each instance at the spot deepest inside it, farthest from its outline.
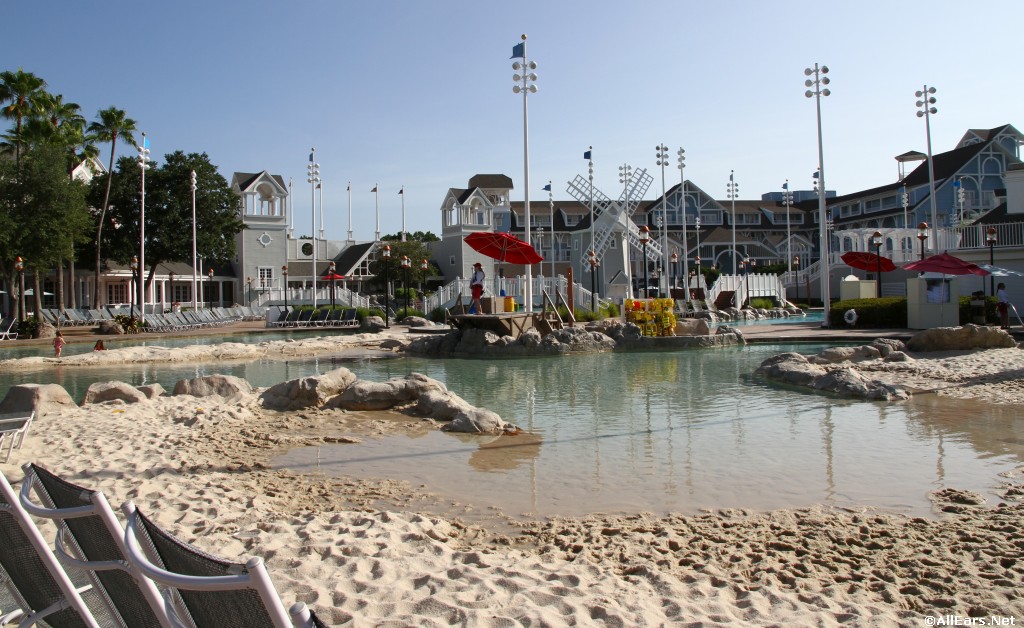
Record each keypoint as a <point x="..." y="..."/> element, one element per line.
<point x="503" y="247"/>
<point x="865" y="260"/>
<point x="333" y="277"/>
<point x="947" y="265"/>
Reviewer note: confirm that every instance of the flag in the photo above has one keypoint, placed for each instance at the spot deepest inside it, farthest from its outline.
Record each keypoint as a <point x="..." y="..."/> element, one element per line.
<point x="547" y="188"/>
<point x="374" y="189"/>
<point x="311" y="156"/>
<point x="519" y="51"/>
<point x="348" y="188"/>
<point x="730" y="176"/>
<point x="402" y="191"/>
<point x="586" y="155"/>
<point x="785" y="186"/>
<point x="318" y="185"/>
<point x="145" y="141"/>
<point x="815" y="175"/>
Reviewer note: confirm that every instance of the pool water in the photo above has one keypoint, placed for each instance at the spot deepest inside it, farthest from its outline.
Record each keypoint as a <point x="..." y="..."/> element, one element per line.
<point x="679" y="432"/>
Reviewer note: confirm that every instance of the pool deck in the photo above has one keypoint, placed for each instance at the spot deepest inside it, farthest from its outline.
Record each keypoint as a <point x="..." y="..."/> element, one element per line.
<point x="796" y="331"/>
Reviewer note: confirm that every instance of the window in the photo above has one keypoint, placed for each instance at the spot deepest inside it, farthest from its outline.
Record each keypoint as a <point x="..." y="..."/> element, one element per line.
<point x="265" y="276"/>
<point x="451" y="260"/>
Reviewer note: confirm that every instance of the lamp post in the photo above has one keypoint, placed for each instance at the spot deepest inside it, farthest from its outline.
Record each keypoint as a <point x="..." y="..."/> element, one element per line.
<point x="331" y="268"/>
<point x="751" y="265"/>
<point x="592" y="258"/>
<point x="681" y="164"/>
<point x="551" y="212"/>
<point x="922" y="235"/>
<point x="19" y="267"/>
<point x="406" y="263"/>
<point x="674" y="269"/>
<point x="313" y="178"/>
<point x="134" y="266"/>
<point x="284" y="273"/>
<point x="194" y="258"/>
<point x="525" y="84"/>
<point x="990" y="239"/>
<point x="926" y="110"/>
<point x="662" y="155"/>
<point x="732" y="190"/>
<point x="589" y="156"/>
<point x="209" y="275"/>
<point x="787" y="198"/>
<point x="387" y="258"/>
<point x="746" y="283"/>
<point x="819" y="83"/>
<point x="625" y="175"/>
<point x="424" y="267"/>
<point x="876" y="239"/>
<point x="796" y="266"/>
<point x="645" y="237"/>
<point x="248" y="294"/>
<point x="143" y="167"/>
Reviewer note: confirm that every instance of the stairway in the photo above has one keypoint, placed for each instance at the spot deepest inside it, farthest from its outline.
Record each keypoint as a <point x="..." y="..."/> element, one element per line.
<point x="724" y="299"/>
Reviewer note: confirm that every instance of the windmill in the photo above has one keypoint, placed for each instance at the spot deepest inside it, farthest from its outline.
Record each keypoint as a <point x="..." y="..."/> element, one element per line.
<point x="616" y="217"/>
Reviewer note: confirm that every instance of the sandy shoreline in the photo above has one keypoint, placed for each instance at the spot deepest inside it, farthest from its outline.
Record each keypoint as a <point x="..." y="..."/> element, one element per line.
<point x="384" y="553"/>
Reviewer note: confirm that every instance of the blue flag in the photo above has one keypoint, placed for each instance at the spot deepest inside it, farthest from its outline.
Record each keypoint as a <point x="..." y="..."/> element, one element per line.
<point x="547" y="188"/>
<point x="586" y="155"/>
<point x="145" y="141"/>
<point x="785" y="186"/>
<point x="311" y="156"/>
<point x="815" y="174"/>
<point x="519" y="51"/>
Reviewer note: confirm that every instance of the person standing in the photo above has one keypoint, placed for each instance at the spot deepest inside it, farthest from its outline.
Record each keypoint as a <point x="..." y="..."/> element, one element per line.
<point x="58" y="344"/>
<point x="1003" y="305"/>
<point x="476" y="287"/>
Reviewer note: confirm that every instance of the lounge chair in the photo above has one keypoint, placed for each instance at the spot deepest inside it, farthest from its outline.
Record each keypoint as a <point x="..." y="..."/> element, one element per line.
<point x="14" y="425"/>
<point x="209" y="591"/>
<point x="89" y="537"/>
<point x="349" y="318"/>
<point x="9" y="329"/>
<point x="31" y="572"/>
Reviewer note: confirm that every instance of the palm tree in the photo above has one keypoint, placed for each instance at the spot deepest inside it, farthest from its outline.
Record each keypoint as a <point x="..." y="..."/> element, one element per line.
<point x="23" y="91"/>
<point x="112" y="123"/>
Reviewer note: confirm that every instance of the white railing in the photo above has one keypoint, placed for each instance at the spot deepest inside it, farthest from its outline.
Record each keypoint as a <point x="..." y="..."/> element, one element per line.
<point x="446" y="295"/>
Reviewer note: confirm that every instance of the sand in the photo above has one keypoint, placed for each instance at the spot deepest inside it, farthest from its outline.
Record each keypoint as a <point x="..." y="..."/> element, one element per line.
<point x="383" y="553"/>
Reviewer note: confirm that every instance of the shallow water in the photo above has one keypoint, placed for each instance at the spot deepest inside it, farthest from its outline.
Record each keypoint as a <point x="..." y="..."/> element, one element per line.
<point x="679" y="432"/>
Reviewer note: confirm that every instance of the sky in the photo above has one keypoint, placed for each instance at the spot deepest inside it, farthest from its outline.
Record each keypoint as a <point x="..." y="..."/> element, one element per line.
<point x="418" y="94"/>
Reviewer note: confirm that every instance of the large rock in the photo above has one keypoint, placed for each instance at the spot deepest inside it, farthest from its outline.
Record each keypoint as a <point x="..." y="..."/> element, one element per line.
<point x="372" y="324"/>
<point x="43" y="398"/>
<point x="791" y="368"/>
<point x="442" y="405"/>
<point x="110" y="328"/>
<point x="960" y="338"/>
<point x="307" y="392"/>
<point x="798" y="370"/>
<point x="692" y="327"/>
<point x="366" y="395"/>
<point x="229" y="387"/>
<point x="100" y="392"/>
<point x="479" y="421"/>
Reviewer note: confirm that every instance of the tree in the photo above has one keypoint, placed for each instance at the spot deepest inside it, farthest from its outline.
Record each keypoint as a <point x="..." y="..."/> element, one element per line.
<point x="112" y="123"/>
<point x="417" y="252"/>
<point x="169" y="212"/>
<point x="23" y="93"/>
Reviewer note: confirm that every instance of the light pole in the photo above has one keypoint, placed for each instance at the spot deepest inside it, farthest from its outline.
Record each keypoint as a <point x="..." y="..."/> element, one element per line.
<point x="876" y="239"/>
<point x="926" y="110"/>
<point x="751" y="265"/>
<point x="313" y="178"/>
<point x="194" y="258"/>
<point x="209" y="274"/>
<point x="787" y="198"/>
<point x="922" y="235"/>
<point x="143" y="167"/>
<point x="696" y="250"/>
<point x="132" y="300"/>
<point x="625" y="174"/>
<point x="589" y="156"/>
<point x="681" y="164"/>
<point x="645" y="237"/>
<point x="525" y="84"/>
<point x="331" y="268"/>
<point x="732" y="191"/>
<point x="387" y="258"/>
<point x="424" y="267"/>
<point x="696" y="262"/>
<point x="674" y="269"/>
<point x="990" y="239"/>
<point x="19" y="267"/>
<point x="406" y="264"/>
<point x="284" y="273"/>
<point x="551" y="210"/>
<point x="819" y="83"/>
<point x="662" y="155"/>
<point x="746" y="282"/>
<point x="796" y="265"/>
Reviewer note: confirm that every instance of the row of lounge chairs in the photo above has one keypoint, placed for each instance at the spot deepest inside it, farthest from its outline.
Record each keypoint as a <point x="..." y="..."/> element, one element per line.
<point x="138" y="574"/>
<point x="323" y="317"/>
<point x="198" y="319"/>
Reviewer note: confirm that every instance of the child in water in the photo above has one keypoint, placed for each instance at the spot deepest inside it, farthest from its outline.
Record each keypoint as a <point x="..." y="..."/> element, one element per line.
<point x="58" y="344"/>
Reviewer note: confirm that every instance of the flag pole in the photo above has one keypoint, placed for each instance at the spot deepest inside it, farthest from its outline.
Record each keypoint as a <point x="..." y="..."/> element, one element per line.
<point x="401" y="193"/>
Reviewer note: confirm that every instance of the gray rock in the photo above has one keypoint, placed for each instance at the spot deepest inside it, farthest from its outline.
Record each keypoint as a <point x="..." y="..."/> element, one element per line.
<point x="850" y="383"/>
<point x="692" y="327"/>
<point x="417" y="321"/>
<point x="372" y="324"/>
<point x="479" y="421"/>
<point x="229" y="387"/>
<point x="898" y="356"/>
<point x="960" y="338"/>
<point x="442" y="405"/>
<point x="307" y="392"/>
<point x="110" y="328"/>
<point x="43" y="398"/>
<point x="152" y="390"/>
<point x="113" y="391"/>
<point x="791" y="368"/>
<point x="365" y="395"/>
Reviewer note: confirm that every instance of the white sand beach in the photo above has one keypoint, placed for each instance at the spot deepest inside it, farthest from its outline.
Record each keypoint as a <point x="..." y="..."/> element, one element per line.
<point x="383" y="553"/>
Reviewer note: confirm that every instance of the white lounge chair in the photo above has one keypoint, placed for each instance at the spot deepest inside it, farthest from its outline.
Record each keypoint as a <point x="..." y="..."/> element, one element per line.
<point x="14" y="425"/>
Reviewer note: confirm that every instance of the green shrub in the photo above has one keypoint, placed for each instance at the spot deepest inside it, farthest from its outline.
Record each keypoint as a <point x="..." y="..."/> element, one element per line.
<point x="967" y="314"/>
<point x="438" y="315"/>
<point x="403" y="312"/>
<point x="762" y="303"/>
<point x="884" y="313"/>
<point x="580" y="314"/>
<point x="29" y="328"/>
<point x="610" y="310"/>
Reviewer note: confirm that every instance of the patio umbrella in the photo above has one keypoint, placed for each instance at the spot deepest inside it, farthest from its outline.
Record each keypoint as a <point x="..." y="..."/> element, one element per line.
<point x="997" y="271"/>
<point x="332" y="277"/>
<point x="947" y="265"/>
<point x="503" y="247"/>
<point x="865" y="260"/>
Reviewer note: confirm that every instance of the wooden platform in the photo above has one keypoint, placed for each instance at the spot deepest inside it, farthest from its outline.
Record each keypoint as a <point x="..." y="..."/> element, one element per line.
<point x="504" y="323"/>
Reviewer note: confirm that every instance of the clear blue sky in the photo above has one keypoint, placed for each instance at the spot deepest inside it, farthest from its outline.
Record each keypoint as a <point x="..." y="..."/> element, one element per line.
<point x="419" y="93"/>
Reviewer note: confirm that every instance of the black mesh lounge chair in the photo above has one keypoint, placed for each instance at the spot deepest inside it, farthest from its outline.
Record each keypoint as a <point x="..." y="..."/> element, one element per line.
<point x="90" y="537"/>
<point x="31" y="572"/>
<point x="210" y="592"/>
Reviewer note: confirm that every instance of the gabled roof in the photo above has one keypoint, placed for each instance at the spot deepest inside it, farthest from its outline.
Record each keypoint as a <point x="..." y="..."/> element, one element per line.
<point x="245" y="180"/>
<point x="348" y="260"/>
<point x="985" y="135"/>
